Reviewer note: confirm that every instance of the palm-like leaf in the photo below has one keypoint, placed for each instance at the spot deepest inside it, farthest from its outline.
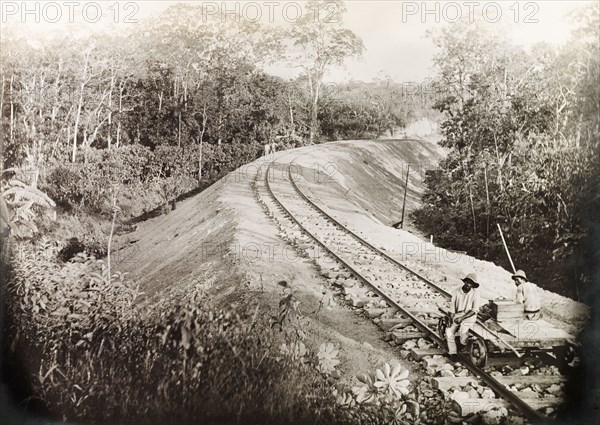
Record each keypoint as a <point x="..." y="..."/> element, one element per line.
<point x="327" y="356"/>
<point x="345" y="399"/>
<point x="366" y="392"/>
<point x="19" y="190"/>
<point x="20" y="199"/>
<point x="295" y="350"/>
<point x="392" y="382"/>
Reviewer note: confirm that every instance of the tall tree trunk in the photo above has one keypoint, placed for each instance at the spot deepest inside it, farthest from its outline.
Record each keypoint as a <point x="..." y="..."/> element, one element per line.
<point x="121" y="90"/>
<point x="473" y="211"/>
<point x="12" y="111"/>
<point x="314" y="98"/>
<point x="110" y="112"/>
<point x="76" y="127"/>
<point x="183" y="105"/>
<point x="313" y="121"/>
<point x="487" y="195"/>
<point x="204" y="120"/>
<point x="179" y="131"/>
<point x="108" y="138"/>
<point x="79" y="106"/>
<point x="500" y="165"/>
<point x="291" y="113"/>
<point x="2" y="97"/>
<point x="118" y="135"/>
<point x="200" y="161"/>
<point x="220" y="127"/>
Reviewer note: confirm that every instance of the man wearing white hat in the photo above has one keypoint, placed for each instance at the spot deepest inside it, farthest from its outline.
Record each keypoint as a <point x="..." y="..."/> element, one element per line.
<point x="527" y="294"/>
<point x="464" y="306"/>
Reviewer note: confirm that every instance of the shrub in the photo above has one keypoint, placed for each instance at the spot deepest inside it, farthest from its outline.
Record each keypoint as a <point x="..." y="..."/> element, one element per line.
<point x="24" y="204"/>
<point x="93" y="357"/>
<point x="64" y="187"/>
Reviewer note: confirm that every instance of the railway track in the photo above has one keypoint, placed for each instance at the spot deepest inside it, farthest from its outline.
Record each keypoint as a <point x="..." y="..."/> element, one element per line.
<point x="369" y="277"/>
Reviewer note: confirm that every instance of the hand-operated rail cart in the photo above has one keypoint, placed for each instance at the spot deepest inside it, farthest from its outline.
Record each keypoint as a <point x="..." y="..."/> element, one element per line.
<point x="502" y="326"/>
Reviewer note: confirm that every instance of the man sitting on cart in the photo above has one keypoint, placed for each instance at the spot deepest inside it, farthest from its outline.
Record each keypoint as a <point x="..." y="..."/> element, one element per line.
<point x="528" y="294"/>
<point x="463" y="312"/>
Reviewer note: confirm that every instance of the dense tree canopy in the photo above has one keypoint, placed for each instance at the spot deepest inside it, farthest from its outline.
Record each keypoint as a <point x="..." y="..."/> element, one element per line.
<point x="522" y="127"/>
<point x="171" y="105"/>
<point x="165" y="107"/>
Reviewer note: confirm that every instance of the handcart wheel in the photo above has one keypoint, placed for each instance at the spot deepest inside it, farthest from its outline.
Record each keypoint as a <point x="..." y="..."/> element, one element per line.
<point x="442" y="326"/>
<point x="477" y="351"/>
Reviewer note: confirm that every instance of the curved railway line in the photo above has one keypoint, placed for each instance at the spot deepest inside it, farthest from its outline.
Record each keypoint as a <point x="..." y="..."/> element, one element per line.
<point x="385" y="279"/>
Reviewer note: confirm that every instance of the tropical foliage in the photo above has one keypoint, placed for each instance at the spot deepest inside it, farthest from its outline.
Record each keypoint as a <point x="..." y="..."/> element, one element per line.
<point x="87" y="338"/>
<point x="522" y="129"/>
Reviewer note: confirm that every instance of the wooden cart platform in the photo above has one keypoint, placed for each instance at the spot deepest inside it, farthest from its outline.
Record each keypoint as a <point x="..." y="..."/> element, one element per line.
<point x="515" y="333"/>
<point x="525" y="333"/>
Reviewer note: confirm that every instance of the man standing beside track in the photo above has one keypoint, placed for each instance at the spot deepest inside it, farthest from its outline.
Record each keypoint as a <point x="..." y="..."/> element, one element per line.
<point x="464" y="306"/>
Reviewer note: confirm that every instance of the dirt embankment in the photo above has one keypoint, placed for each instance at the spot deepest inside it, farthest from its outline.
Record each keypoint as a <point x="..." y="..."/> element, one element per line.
<point x="366" y="191"/>
<point x="222" y="243"/>
<point x="205" y="238"/>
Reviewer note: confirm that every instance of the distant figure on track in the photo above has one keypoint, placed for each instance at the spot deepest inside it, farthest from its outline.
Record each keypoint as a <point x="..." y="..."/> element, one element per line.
<point x="463" y="308"/>
<point x="270" y="148"/>
<point x="528" y="294"/>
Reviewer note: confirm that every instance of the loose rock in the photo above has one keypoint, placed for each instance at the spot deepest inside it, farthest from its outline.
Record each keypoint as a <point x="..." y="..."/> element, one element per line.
<point x="423" y="344"/>
<point x="487" y="393"/>
<point x="407" y="345"/>
<point x="459" y="395"/>
<point x="472" y="393"/>
<point x="463" y="372"/>
<point x="554" y="388"/>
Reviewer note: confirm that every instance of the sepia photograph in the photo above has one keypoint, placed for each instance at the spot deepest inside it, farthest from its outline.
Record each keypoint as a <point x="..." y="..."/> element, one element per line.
<point x="313" y="212"/>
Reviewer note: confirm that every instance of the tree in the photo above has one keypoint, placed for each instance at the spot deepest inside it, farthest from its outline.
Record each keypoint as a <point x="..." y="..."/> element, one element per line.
<point x="316" y="42"/>
<point x="523" y="150"/>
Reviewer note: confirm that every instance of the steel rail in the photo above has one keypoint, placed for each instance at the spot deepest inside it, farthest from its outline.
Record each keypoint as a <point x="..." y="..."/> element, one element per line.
<point x="436" y="287"/>
<point x="367" y="243"/>
<point x="363" y="279"/>
<point x="505" y="393"/>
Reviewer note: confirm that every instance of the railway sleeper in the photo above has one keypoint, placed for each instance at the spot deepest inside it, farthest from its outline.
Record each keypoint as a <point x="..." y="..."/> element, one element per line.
<point x="397" y="323"/>
<point x="468" y="406"/>
<point x="444" y="384"/>
<point x="401" y="336"/>
<point x="469" y="399"/>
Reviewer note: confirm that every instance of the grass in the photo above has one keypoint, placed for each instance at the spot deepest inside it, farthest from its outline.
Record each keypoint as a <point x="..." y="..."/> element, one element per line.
<point x="84" y="353"/>
<point x="83" y="350"/>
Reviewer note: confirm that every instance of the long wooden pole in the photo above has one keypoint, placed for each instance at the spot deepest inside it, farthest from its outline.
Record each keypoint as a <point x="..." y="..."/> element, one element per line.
<point x="404" y="201"/>
<point x="506" y="248"/>
<point x="473" y="211"/>
<point x="487" y="206"/>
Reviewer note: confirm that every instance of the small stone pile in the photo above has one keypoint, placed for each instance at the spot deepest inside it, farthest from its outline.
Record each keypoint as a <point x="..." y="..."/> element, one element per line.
<point x="539" y="391"/>
<point x="434" y="407"/>
<point x="437" y="409"/>
<point x="472" y="390"/>
<point x="438" y="365"/>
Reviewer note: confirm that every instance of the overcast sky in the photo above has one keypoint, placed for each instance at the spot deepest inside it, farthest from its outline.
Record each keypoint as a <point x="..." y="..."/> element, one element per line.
<point x="392" y="31"/>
